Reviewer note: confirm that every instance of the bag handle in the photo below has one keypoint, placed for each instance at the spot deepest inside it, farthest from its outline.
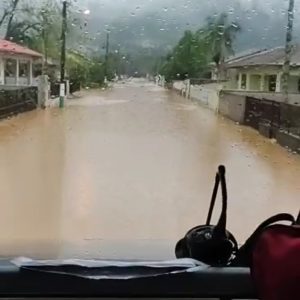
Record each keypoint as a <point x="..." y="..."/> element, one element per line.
<point x="220" y="228"/>
<point x="298" y="219"/>
<point x="275" y="219"/>
<point x="272" y="220"/>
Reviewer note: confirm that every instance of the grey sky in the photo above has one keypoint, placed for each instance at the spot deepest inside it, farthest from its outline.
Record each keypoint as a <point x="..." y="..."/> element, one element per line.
<point x="263" y="22"/>
<point x="155" y="22"/>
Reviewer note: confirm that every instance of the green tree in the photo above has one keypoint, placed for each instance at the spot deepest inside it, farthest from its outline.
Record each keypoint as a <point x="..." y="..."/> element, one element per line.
<point x="219" y="35"/>
<point x="84" y="71"/>
<point x="195" y="52"/>
<point x="8" y="13"/>
<point x="188" y="59"/>
<point x="37" y="28"/>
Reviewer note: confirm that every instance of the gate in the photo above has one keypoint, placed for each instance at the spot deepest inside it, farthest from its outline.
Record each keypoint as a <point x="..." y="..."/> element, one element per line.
<point x="55" y="88"/>
<point x="253" y="112"/>
<point x="263" y="111"/>
<point x="74" y="86"/>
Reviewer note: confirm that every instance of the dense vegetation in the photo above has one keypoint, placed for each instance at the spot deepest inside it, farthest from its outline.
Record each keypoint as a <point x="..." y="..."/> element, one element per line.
<point x="196" y="51"/>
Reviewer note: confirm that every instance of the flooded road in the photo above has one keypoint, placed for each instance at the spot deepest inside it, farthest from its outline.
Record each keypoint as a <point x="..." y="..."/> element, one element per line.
<point x="125" y="173"/>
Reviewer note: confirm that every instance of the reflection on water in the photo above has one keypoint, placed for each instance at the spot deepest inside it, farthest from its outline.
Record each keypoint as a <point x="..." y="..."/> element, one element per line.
<point x="124" y="173"/>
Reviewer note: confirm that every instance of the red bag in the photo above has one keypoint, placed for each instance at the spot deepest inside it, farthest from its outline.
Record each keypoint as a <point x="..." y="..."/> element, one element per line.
<point x="276" y="262"/>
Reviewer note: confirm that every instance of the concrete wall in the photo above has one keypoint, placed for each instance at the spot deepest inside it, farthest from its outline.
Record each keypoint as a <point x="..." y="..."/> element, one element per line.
<point x="4" y="87"/>
<point x="232" y="106"/>
<point x="24" y="81"/>
<point x="179" y="85"/>
<point x="293" y="99"/>
<point x="207" y="95"/>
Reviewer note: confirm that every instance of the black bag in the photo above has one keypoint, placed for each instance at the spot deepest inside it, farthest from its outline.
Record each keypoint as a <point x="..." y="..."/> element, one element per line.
<point x="213" y="245"/>
<point x="244" y="254"/>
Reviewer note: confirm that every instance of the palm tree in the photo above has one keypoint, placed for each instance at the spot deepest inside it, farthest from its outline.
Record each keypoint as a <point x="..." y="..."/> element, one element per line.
<point x="219" y="35"/>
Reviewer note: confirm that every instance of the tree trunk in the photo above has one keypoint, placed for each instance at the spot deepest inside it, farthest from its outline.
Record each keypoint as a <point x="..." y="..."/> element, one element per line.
<point x="14" y="5"/>
<point x="3" y="18"/>
<point x="221" y="69"/>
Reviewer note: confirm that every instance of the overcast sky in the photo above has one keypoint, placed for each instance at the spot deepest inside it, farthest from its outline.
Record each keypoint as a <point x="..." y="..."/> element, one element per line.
<point x="117" y="7"/>
<point x="264" y="18"/>
<point x="189" y="10"/>
<point x="261" y="20"/>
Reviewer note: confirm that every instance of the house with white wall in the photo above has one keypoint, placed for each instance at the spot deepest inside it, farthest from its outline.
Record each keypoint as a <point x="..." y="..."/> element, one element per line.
<point x="17" y="65"/>
<point x="261" y="71"/>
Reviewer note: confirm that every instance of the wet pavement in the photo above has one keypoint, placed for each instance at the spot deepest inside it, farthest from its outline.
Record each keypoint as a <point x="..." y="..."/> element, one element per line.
<point x="124" y="173"/>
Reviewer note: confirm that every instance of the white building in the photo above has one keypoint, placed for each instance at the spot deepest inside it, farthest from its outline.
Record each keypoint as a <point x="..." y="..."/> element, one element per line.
<point x="261" y="71"/>
<point x="17" y="65"/>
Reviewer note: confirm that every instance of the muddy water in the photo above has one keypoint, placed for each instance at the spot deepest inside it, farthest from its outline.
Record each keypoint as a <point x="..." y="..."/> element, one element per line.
<point x="124" y="173"/>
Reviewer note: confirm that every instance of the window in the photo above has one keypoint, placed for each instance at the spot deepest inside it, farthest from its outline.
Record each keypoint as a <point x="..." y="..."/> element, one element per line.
<point x="24" y="68"/>
<point x="244" y="81"/>
<point x="10" y="67"/>
<point x="272" y="83"/>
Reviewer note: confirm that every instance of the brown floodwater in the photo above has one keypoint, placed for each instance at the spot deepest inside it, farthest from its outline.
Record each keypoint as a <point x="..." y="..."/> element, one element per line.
<point x="124" y="173"/>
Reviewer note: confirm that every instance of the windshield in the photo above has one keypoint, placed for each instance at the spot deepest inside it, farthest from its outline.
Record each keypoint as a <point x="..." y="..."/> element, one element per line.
<point x="116" y="114"/>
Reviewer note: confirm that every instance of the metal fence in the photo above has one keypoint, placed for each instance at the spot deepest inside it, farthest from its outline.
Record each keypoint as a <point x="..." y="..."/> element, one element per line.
<point x="290" y="118"/>
<point x="14" y="101"/>
<point x="272" y="115"/>
<point x="55" y="87"/>
<point x="262" y="111"/>
<point x="272" y="119"/>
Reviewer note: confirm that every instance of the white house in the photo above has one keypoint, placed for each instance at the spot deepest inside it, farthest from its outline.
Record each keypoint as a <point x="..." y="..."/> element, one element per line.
<point x="261" y="71"/>
<point x="16" y="64"/>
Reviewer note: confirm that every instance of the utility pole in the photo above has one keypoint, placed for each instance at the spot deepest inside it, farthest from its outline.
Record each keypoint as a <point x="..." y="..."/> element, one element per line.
<point x="63" y="56"/>
<point x="288" y="51"/>
<point x="106" y="55"/>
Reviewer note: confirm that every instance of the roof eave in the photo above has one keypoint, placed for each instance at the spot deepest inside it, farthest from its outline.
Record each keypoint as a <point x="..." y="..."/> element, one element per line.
<point x="9" y="53"/>
<point x="255" y="65"/>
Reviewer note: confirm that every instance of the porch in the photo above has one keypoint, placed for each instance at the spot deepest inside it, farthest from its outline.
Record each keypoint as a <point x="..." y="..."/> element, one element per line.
<point x="17" y="71"/>
<point x="261" y="79"/>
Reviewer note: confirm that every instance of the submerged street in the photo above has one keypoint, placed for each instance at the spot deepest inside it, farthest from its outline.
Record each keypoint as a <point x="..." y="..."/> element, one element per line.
<point x="124" y="173"/>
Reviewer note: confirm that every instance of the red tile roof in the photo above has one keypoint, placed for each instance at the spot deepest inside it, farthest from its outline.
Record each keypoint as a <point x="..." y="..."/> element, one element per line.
<point x="13" y="49"/>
